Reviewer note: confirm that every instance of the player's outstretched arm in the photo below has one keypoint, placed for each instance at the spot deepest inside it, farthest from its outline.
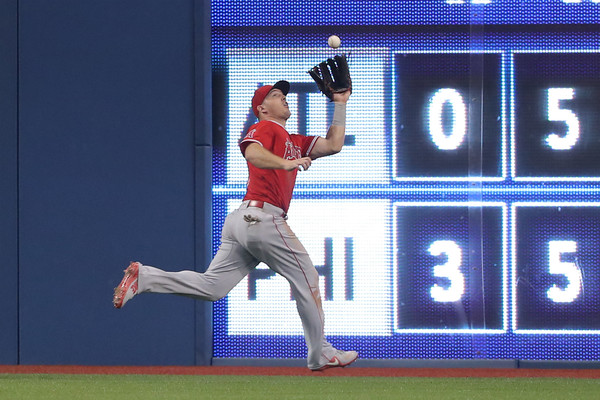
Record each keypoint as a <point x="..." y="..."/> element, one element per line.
<point x="262" y="158"/>
<point x="334" y="141"/>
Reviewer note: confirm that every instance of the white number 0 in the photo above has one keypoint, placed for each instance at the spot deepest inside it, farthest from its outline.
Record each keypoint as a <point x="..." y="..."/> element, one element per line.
<point x="450" y="270"/>
<point x="457" y="135"/>
<point x="569" y="269"/>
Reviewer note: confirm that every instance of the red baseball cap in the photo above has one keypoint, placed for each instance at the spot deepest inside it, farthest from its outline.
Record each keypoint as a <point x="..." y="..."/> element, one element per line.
<point x="263" y="91"/>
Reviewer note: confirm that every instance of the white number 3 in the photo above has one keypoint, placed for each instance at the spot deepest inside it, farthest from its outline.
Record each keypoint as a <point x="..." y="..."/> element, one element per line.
<point x="449" y="270"/>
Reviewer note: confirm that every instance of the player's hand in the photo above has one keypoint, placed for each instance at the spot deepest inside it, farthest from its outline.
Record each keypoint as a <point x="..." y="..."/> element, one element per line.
<point x="342" y="97"/>
<point x="301" y="164"/>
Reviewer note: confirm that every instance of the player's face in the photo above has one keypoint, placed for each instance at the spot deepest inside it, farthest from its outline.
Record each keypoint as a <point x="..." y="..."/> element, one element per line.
<point x="276" y="106"/>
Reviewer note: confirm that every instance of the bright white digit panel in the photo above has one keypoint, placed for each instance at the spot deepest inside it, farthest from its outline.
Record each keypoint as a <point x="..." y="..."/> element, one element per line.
<point x="452" y="99"/>
<point x="360" y="302"/>
<point x="249" y="68"/>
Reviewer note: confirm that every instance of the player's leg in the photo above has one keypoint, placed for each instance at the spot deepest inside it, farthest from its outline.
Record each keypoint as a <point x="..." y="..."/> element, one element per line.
<point x="281" y="250"/>
<point x="230" y="265"/>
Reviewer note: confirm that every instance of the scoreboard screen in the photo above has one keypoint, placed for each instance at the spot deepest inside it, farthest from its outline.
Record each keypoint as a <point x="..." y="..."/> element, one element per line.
<point x="462" y="218"/>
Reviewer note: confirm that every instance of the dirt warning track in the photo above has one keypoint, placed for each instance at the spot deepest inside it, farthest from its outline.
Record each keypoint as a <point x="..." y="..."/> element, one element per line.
<point x="299" y="371"/>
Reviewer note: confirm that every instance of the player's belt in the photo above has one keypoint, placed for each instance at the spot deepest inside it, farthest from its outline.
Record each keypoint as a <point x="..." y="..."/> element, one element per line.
<point x="266" y="206"/>
<point x="256" y="203"/>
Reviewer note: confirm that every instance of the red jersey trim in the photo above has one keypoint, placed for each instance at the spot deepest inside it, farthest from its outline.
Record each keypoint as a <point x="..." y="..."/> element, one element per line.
<point x="312" y="145"/>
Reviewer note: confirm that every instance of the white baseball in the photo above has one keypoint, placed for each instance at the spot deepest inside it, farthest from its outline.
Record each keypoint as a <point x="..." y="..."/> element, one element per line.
<point x="334" y="41"/>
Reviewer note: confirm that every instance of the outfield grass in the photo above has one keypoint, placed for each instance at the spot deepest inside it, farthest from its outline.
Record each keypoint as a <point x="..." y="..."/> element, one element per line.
<point x="167" y="387"/>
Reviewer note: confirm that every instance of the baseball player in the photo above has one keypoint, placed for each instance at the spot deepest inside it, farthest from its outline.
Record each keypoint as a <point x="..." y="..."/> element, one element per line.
<point x="257" y="231"/>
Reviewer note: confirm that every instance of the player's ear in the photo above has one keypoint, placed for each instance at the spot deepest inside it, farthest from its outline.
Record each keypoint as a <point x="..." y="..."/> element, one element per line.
<point x="261" y="109"/>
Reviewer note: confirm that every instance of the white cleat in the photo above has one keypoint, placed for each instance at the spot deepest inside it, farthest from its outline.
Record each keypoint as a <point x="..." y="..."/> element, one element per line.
<point x="340" y="359"/>
<point x="128" y="286"/>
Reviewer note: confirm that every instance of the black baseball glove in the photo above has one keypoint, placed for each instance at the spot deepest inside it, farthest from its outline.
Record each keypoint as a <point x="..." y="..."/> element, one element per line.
<point x="332" y="76"/>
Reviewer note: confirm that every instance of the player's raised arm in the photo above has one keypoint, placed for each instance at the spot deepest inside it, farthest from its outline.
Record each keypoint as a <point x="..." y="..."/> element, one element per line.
<point x="334" y="141"/>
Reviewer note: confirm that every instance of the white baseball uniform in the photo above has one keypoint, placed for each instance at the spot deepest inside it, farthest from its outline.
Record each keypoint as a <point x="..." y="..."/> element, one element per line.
<point x="258" y="232"/>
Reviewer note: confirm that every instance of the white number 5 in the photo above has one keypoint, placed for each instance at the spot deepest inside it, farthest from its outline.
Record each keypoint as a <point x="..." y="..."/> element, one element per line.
<point x="555" y="113"/>
<point x="450" y="270"/>
<point x="569" y="269"/>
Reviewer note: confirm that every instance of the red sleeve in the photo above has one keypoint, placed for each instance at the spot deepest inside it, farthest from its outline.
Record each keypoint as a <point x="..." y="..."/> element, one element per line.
<point x="307" y="144"/>
<point x="258" y="133"/>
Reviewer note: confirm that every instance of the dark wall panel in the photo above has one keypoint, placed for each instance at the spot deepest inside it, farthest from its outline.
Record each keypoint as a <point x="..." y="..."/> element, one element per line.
<point x="106" y="163"/>
<point x="8" y="182"/>
<point x="204" y="325"/>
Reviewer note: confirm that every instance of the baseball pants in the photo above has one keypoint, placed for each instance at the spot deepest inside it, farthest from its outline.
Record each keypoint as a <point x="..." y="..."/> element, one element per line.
<point x="252" y="235"/>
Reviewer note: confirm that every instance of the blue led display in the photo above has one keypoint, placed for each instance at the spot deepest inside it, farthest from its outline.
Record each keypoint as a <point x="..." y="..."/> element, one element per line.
<point x="403" y="12"/>
<point x="460" y="219"/>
